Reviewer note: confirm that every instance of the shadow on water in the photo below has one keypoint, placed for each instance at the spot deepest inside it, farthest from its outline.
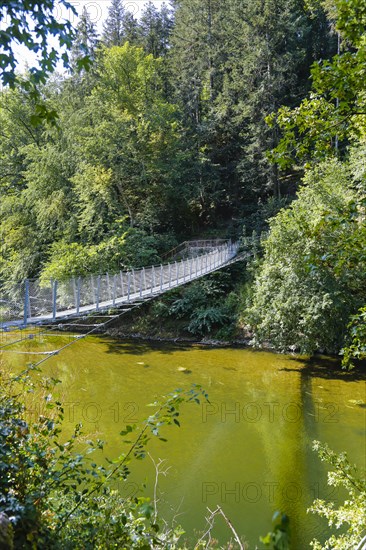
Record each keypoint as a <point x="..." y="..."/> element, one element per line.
<point x="138" y="347"/>
<point x="307" y="369"/>
<point x="328" y="368"/>
<point x="133" y="347"/>
<point x="320" y="366"/>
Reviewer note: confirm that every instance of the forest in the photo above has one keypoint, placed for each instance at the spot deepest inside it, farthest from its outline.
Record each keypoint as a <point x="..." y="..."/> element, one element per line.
<point x="202" y="119"/>
<point x="235" y="119"/>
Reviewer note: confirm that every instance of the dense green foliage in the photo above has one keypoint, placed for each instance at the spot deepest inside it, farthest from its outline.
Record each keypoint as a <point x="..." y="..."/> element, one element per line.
<point x="334" y="113"/>
<point x="165" y="134"/>
<point x="313" y="274"/>
<point x="355" y="347"/>
<point x="168" y="137"/>
<point x="312" y="280"/>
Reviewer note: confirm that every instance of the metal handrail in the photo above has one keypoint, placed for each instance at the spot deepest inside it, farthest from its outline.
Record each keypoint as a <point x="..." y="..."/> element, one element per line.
<point x="96" y="292"/>
<point x="199" y="243"/>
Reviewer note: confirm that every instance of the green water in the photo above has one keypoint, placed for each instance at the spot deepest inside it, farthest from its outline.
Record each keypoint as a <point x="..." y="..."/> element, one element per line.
<point x="249" y="450"/>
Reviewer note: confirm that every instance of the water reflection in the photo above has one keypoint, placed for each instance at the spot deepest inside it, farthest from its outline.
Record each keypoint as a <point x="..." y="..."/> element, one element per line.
<point x="248" y="450"/>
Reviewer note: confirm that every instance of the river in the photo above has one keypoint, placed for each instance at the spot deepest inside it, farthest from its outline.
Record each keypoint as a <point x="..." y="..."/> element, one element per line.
<point x="248" y="449"/>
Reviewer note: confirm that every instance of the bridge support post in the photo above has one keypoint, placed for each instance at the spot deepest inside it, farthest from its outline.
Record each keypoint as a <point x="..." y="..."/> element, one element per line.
<point x="114" y="289"/>
<point x="74" y="289"/>
<point x="161" y="278"/>
<point x="141" y="275"/>
<point x="144" y="272"/>
<point x="78" y="292"/>
<point x="184" y="270"/>
<point x="93" y="289"/>
<point x="134" y="281"/>
<point x="122" y="285"/>
<point x="153" y="279"/>
<point x="54" y="299"/>
<point x="170" y="275"/>
<point x="177" y="269"/>
<point x="108" y="286"/>
<point x="190" y="269"/>
<point x="128" y="286"/>
<point x="26" y="301"/>
<point x="98" y="293"/>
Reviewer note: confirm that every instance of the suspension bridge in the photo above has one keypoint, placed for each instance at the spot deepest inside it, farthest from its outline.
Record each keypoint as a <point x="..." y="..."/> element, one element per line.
<point x="76" y="299"/>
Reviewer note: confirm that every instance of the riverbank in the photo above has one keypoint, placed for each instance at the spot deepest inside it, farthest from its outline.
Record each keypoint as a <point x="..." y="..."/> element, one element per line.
<point x="205" y="341"/>
<point x="150" y="322"/>
<point x="206" y="312"/>
<point x="144" y="324"/>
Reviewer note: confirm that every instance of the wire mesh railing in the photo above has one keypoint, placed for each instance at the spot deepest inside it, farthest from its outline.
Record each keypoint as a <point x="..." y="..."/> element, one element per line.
<point x="188" y="249"/>
<point x="34" y="302"/>
<point x="12" y="303"/>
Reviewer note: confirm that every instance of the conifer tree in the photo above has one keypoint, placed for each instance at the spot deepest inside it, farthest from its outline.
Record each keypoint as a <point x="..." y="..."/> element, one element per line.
<point x="113" y="29"/>
<point x="155" y="28"/>
<point x="86" y="40"/>
<point x="233" y="64"/>
<point x="131" y="29"/>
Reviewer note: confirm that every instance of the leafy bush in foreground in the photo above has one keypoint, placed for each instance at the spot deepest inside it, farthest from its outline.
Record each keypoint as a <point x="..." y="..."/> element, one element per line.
<point x="352" y="513"/>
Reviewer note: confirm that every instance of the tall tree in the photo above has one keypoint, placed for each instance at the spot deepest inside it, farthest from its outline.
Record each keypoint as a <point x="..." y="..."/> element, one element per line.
<point x="195" y="49"/>
<point x="131" y="29"/>
<point x="113" y="28"/>
<point x="155" y="28"/>
<point x="86" y="40"/>
<point x="335" y="112"/>
<point x="120" y="26"/>
<point x="233" y="64"/>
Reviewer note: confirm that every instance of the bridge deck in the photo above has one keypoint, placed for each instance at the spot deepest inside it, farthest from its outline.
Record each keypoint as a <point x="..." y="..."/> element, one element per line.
<point x="79" y="297"/>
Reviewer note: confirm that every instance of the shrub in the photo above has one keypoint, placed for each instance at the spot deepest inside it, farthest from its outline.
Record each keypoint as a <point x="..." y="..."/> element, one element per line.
<point x="352" y="513"/>
<point x="312" y="277"/>
<point x="204" y="320"/>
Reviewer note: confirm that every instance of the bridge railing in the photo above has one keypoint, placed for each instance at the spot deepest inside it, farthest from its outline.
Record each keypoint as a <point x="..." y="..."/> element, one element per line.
<point x="79" y="295"/>
<point x="12" y="303"/>
<point x="189" y="248"/>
